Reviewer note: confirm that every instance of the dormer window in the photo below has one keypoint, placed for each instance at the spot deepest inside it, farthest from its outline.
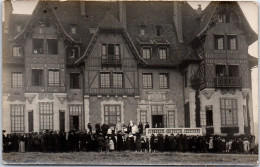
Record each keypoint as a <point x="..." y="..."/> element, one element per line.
<point x="73" y="29"/>
<point x="146" y="51"/>
<point x="142" y="32"/>
<point x="163" y="53"/>
<point x="232" y="42"/>
<point x="158" y="30"/>
<point x="219" y="42"/>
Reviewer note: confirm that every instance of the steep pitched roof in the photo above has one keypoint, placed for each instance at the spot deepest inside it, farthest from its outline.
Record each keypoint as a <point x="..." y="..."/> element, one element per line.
<point x="110" y="21"/>
<point x="41" y="8"/>
<point x="207" y="16"/>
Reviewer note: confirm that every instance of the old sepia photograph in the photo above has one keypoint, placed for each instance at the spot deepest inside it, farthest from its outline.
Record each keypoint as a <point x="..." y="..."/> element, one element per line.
<point x="129" y="82"/>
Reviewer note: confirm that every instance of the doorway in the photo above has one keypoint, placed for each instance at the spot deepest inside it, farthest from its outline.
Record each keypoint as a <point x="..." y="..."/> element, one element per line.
<point x="62" y="120"/>
<point x="74" y="122"/>
<point x="157" y="121"/>
<point x="30" y="121"/>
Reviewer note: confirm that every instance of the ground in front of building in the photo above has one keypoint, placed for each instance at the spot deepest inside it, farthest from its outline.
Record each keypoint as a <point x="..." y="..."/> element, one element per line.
<point x="130" y="158"/>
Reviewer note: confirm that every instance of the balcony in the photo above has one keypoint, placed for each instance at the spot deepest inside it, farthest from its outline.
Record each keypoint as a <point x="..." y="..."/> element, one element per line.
<point x="175" y="131"/>
<point x="112" y="91"/>
<point x="111" y="60"/>
<point x="228" y="82"/>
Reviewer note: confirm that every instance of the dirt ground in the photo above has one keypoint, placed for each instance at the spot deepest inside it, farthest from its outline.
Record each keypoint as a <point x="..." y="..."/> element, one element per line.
<point x="129" y="158"/>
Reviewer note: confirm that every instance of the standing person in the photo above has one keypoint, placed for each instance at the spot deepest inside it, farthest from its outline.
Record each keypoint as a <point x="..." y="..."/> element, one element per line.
<point x="252" y="144"/>
<point x="111" y="145"/>
<point x="22" y="143"/>
<point x="143" y="143"/>
<point x="152" y="143"/>
<point x="90" y="128"/>
<point x="98" y="129"/>
<point x="138" y="144"/>
<point x="146" y="125"/>
<point x="211" y="147"/>
<point x="246" y="145"/>
<point x="140" y="127"/>
<point x="100" y="141"/>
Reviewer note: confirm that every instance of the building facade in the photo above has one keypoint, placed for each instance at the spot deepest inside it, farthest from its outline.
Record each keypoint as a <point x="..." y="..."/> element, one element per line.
<point x="78" y="62"/>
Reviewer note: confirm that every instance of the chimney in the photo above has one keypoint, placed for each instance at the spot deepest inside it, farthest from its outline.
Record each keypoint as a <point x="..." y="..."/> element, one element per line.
<point x="122" y="13"/>
<point x="199" y="8"/>
<point x="8" y="9"/>
<point x="177" y="19"/>
<point x="82" y="8"/>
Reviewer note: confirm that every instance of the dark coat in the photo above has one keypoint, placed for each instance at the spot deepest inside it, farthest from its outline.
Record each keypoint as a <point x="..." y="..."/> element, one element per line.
<point x="138" y="144"/>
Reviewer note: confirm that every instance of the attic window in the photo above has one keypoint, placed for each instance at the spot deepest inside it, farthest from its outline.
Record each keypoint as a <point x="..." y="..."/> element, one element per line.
<point x="92" y="30"/>
<point x="142" y="31"/>
<point x="18" y="28"/>
<point x="158" y="30"/>
<point x="73" y="29"/>
<point x="44" y="23"/>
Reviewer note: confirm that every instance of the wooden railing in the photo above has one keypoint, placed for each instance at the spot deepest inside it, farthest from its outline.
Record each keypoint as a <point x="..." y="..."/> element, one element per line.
<point x="111" y="60"/>
<point x="175" y="131"/>
<point x="112" y="91"/>
<point x="45" y="89"/>
<point x="228" y="82"/>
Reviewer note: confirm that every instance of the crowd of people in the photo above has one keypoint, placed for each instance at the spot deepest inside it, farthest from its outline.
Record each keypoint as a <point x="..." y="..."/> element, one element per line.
<point x="106" y="138"/>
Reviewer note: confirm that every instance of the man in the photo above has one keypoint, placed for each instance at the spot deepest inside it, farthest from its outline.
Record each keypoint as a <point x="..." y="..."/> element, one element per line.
<point x="140" y="127"/>
<point x="146" y="125"/>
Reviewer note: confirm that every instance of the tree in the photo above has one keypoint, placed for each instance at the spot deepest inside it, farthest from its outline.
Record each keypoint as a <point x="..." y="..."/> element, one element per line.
<point x="195" y="85"/>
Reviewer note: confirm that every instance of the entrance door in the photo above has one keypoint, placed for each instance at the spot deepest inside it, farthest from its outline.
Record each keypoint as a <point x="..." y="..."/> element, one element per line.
<point x="74" y="122"/>
<point x="209" y="118"/>
<point x="62" y="121"/>
<point x="30" y="120"/>
<point x="157" y="120"/>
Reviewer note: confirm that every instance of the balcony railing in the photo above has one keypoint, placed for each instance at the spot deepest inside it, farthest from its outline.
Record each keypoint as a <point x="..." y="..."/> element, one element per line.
<point x="228" y="82"/>
<point x="111" y="60"/>
<point x="113" y="91"/>
<point x="175" y="131"/>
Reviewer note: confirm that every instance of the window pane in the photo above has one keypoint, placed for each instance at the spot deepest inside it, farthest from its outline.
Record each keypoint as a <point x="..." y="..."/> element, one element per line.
<point x="146" y="53"/>
<point x="38" y="46"/>
<point x="163" y="81"/>
<point x="117" y="80"/>
<point x="52" y="46"/>
<point x="37" y="77"/>
<point x="147" y="81"/>
<point x="17" y="80"/>
<point x="17" y="51"/>
<point x="105" y="80"/>
<point x="229" y="111"/>
<point x="162" y="53"/>
<point x="17" y="118"/>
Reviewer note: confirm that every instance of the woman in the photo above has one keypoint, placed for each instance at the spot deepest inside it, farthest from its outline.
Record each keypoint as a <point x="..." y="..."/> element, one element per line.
<point x="22" y="143"/>
<point x="138" y="144"/>
<point x="140" y="127"/>
<point x="111" y="145"/>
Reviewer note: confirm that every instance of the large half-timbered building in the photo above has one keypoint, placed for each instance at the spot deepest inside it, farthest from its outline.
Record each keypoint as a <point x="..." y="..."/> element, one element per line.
<point x="72" y="63"/>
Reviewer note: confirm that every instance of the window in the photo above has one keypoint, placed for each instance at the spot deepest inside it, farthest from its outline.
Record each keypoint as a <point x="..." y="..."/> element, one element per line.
<point x="232" y="42"/>
<point x="221" y="18"/>
<point x="76" y="117"/>
<point x="233" y="71"/>
<point x="92" y="30"/>
<point x="18" y="28"/>
<point x="142" y="32"/>
<point x="105" y="80"/>
<point x="164" y="81"/>
<point x="110" y="53"/>
<point x="38" y="46"/>
<point x="17" y="80"/>
<point x="143" y="116"/>
<point x="147" y="81"/>
<point x="73" y="29"/>
<point x="163" y="53"/>
<point x="112" y="114"/>
<point x="17" y="118"/>
<point x="117" y="80"/>
<point x="157" y="109"/>
<point x="220" y="70"/>
<point x="37" y="75"/>
<point x="73" y="52"/>
<point x="219" y="42"/>
<point x="171" y="119"/>
<point x="158" y="30"/>
<point x="185" y="79"/>
<point x="74" y="80"/>
<point x="17" y="51"/>
<point x="46" y="116"/>
<point x="146" y="52"/>
<point x="54" y="77"/>
<point x="228" y="109"/>
<point x="209" y="116"/>
<point x="52" y="46"/>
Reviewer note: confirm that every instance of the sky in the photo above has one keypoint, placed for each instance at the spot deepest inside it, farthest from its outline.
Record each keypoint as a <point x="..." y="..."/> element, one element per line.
<point x="250" y="10"/>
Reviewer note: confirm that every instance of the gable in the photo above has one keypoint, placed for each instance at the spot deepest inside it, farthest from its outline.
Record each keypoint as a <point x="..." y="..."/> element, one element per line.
<point x="43" y="13"/>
